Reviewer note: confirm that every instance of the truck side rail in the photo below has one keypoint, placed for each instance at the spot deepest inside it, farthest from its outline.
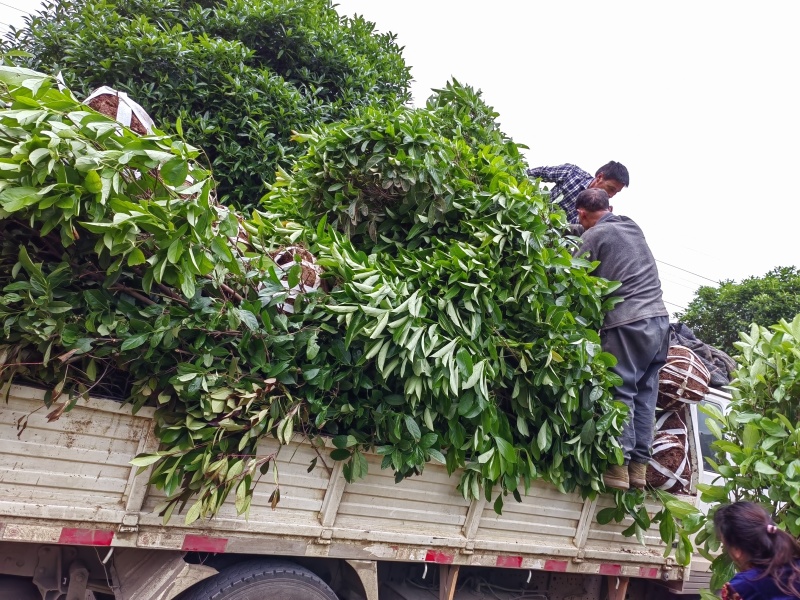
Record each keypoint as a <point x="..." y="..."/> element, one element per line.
<point x="69" y="481"/>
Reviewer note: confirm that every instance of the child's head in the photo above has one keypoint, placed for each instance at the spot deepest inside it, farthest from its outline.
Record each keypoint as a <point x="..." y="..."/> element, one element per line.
<point x="752" y="540"/>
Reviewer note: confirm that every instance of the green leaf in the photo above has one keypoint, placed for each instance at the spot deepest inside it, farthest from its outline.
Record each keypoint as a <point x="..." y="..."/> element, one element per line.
<point x="221" y="249"/>
<point x="498" y="505"/>
<point x="765" y="469"/>
<point x="773" y="429"/>
<point x="506" y="450"/>
<point x="188" y="287"/>
<point x="92" y="182"/>
<point x="412" y="427"/>
<point x="712" y="493"/>
<point x="679" y="508"/>
<point x="344" y="441"/>
<point x="175" y="171"/>
<point x="16" y="198"/>
<point x="606" y="515"/>
<point x="545" y="437"/>
<point x="588" y="432"/>
<point x="667" y="529"/>
<point x="136" y="257"/>
<point x="194" y="512"/>
<point x="437" y="456"/>
<point x="134" y="341"/>
<point x="145" y="460"/>
<point x="340" y="454"/>
<point x="175" y="251"/>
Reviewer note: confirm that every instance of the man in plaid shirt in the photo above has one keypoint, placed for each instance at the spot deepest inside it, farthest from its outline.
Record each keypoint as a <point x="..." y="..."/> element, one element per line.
<point x="570" y="181"/>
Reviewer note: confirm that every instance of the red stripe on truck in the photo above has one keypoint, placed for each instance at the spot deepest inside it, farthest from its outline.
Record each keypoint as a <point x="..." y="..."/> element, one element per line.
<point x="86" y="537"/>
<point x="555" y="565"/>
<point x="651" y="572"/>
<point x="435" y="556"/>
<point x="203" y="543"/>
<point x="514" y="562"/>
<point x="606" y="569"/>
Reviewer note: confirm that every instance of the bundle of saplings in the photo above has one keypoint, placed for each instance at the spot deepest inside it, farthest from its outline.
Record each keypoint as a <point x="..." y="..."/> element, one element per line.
<point x="453" y="324"/>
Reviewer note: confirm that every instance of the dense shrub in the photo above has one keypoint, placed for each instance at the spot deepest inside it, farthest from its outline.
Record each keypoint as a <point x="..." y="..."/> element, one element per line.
<point x="240" y="74"/>
<point x="757" y="440"/>
<point x="464" y="332"/>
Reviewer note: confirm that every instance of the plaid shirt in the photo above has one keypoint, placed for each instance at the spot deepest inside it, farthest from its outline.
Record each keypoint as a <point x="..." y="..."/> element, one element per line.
<point x="569" y="182"/>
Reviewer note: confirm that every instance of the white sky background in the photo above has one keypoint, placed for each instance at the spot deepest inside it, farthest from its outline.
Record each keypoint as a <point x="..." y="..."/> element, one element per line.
<point x="699" y="100"/>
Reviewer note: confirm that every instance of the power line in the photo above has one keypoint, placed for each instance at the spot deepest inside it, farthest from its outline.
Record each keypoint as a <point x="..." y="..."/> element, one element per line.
<point x="673" y="304"/>
<point x="15" y="8"/>
<point x="688" y="271"/>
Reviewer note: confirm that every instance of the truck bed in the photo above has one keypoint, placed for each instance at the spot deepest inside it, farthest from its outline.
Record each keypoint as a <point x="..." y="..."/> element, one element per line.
<point x="69" y="481"/>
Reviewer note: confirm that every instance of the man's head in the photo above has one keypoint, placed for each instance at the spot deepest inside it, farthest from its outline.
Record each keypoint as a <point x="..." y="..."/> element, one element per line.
<point x="591" y="204"/>
<point x="611" y="177"/>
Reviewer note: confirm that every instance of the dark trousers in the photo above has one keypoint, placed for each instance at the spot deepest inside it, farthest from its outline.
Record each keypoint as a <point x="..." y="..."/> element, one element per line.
<point x="641" y="350"/>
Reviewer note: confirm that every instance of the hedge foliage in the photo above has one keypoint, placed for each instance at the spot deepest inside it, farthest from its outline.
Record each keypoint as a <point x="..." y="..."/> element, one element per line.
<point x="458" y="340"/>
<point x="455" y="325"/>
<point x="758" y="440"/>
<point x="241" y="75"/>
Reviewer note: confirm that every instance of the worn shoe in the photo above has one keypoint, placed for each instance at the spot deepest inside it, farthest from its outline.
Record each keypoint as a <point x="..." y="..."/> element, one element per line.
<point x="617" y="477"/>
<point x="637" y="475"/>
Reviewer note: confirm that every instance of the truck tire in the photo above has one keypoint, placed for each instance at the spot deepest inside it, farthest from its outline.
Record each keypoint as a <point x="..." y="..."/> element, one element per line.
<point x="261" y="580"/>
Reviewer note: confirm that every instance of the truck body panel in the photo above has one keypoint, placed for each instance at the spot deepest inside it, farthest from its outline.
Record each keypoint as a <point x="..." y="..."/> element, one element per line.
<point x="69" y="481"/>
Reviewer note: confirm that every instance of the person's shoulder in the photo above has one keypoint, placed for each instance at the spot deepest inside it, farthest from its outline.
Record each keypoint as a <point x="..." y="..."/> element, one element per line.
<point x="747" y="575"/>
<point x="563" y="167"/>
<point x="574" y="169"/>
<point x="614" y="219"/>
<point x="744" y="583"/>
<point x="607" y="221"/>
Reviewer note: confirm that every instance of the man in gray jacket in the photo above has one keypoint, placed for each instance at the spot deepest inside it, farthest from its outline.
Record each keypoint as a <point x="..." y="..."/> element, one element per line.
<point x="635" y="331"/>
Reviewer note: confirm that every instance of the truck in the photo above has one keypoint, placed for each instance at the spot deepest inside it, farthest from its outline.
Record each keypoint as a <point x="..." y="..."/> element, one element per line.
<point x="77" y="522"/>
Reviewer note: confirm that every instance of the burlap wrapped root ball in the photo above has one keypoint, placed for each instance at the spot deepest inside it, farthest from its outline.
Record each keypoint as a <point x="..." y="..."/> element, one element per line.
<point x="684" y="377"/>
<point x="310" y="273"/>
<point x="120" y="107"/>
<point x="669" y="468"/>
<point x="123" y="109"/>
<point x="666" y="402"/>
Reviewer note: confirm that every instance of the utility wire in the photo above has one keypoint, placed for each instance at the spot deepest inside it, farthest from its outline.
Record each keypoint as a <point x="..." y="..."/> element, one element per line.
<point x="673" y="304"/>
<point x="688" y="271"/>
<point x="14" y="7"/>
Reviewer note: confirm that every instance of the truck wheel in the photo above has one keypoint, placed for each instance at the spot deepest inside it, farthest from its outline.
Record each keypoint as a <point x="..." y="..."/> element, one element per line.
<point x="261" y="580"/>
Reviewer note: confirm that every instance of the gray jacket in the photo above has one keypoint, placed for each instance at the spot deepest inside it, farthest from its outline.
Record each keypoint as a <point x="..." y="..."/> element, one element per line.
<point x="619" y="244"/>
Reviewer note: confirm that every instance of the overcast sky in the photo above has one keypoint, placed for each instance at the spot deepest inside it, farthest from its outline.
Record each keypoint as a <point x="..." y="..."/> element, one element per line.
<point x="698" y="99"/>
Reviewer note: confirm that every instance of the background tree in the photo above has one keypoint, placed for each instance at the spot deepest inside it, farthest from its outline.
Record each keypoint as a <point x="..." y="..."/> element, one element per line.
<point x="718" y="314"/>
<point x="240" y="74"/>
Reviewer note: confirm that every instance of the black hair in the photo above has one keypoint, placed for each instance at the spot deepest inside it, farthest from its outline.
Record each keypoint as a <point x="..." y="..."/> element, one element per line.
<point x="615" y="170"/>
<point x="748" y="527"/>
<point x="592" y="199"/>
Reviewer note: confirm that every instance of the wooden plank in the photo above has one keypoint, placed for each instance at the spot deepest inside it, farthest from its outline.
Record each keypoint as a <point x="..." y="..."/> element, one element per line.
<point x="80" y="418"/>
<point x="448" y="579"/>
<point x="333" y="496"/>
<point x="138" y="483"/>
<point x="22" y="450"/>
<point x="617" y="587"/>
<point x="103" y="481"/>
<point x="95" y="404"/>
<point x="473" y="520"/>
<point x="585" y="522"/>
